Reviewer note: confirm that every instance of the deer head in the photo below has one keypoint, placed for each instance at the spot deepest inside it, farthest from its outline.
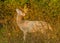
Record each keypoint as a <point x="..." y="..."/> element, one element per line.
<point x="20" y="12"/>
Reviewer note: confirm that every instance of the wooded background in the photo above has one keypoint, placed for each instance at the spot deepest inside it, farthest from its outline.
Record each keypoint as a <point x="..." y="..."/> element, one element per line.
<point x="40" y="10"/>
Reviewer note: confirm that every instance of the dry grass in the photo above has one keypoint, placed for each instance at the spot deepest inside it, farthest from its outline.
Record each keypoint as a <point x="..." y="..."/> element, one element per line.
<point x="45" y="11"/>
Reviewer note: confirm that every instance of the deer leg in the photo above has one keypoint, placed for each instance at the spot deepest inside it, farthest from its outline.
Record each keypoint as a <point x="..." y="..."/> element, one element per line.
<point x="24" y="37"/>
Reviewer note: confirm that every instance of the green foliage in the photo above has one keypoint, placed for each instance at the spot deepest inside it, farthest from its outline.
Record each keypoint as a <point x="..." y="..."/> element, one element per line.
<point x="46" y="10"/>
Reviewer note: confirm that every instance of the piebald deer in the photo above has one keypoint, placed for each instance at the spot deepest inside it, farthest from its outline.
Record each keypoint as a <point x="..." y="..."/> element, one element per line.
<point x="30" y="26"/>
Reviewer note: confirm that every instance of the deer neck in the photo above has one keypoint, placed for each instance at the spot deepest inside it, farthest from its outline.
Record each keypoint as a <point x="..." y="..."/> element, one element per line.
<point x="20" y="19"/>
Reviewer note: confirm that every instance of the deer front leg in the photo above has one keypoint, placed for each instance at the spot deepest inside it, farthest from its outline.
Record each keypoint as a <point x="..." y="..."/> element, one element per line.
<point x="24" y="37"/>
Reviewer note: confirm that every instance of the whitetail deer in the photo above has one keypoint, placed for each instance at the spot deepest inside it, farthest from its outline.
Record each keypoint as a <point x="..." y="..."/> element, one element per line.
<point x="30" y="26"/>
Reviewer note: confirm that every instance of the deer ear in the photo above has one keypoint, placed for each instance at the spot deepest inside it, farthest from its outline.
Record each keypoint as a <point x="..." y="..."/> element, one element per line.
<point x="19" y="11"/>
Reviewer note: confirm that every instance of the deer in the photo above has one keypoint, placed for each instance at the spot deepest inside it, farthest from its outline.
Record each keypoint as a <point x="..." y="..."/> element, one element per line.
<point x="27" y="26"/>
